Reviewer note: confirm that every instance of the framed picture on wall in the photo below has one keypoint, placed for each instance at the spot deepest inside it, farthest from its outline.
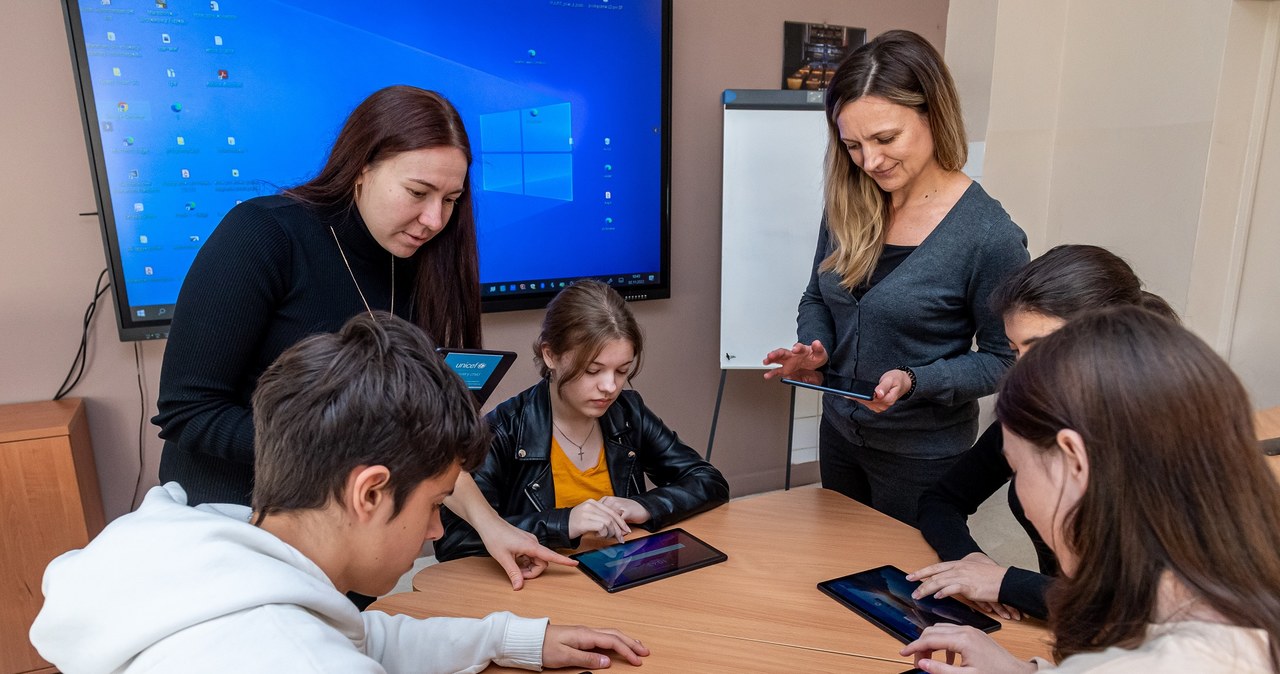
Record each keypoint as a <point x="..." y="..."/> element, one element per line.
<point x="811" y="52"/>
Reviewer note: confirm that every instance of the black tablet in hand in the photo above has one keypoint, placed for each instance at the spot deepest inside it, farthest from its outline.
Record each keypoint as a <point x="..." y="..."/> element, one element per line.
<point x="833" y="383"/>
<point x="646" y="559"/>
<point x="480" y="369"/>
<point x="883" y="596"/>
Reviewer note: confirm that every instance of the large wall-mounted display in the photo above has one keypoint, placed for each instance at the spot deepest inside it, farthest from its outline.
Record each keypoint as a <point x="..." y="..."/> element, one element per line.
<point x="192" y="106"/>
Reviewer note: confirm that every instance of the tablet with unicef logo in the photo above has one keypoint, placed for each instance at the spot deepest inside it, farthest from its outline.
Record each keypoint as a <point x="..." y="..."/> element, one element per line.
<point x="480" y="369"/>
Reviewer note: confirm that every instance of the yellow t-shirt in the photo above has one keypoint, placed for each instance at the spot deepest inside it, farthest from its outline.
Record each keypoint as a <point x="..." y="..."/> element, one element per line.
<point x="574" y="486"/>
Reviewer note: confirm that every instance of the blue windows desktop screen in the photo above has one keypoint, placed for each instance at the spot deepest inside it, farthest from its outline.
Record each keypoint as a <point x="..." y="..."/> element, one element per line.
<point x="194" y="105"/>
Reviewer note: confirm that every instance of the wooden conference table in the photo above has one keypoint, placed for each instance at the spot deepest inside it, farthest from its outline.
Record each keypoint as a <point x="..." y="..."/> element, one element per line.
<point x="1267" y="423"/>
<point x="757" y="612"/>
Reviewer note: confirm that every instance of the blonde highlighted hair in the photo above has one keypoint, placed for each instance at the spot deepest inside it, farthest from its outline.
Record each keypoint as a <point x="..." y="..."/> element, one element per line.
<point x="903" y="68"/>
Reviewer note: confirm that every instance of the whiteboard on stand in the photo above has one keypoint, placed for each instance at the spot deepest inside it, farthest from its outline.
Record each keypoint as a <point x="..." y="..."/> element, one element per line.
<point x="774" y="145"/>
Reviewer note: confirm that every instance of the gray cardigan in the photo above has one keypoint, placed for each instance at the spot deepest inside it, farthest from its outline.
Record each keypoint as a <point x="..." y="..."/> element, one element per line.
<point x="924" y="315"/>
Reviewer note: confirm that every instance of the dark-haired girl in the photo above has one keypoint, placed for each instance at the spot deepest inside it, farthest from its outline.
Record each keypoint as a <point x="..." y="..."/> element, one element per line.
<point x="1054" y="288"/>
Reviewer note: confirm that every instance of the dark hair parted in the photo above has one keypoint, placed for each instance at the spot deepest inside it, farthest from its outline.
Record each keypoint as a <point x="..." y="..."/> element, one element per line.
<point x="1176" y="482"/>
<point x="389" y="122"/>
<point x="374" y="393"/>
<point x="1070" y="280"/>
<point x="582" y="319"/>
<point x="903" y="68"/>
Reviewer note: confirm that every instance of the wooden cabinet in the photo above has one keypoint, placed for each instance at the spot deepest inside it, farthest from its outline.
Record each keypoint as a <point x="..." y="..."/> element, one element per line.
<point x="49" y="504"/>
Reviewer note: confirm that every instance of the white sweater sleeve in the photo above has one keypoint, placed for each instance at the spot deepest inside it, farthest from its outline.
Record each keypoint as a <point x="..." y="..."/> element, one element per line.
<point x="403" y="644"/>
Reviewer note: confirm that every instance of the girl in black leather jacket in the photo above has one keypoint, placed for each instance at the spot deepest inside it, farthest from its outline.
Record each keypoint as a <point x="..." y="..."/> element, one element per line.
<point x="570" y="455"/>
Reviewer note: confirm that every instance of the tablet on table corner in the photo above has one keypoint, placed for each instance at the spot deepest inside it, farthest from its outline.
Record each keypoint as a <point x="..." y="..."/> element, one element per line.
<point x="646" y="559"/>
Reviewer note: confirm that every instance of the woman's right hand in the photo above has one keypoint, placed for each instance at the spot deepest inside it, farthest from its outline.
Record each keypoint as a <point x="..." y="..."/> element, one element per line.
<point x="797" y="358"/>
<point x="593" y="517"/>
<point x="979" y="652"/>
<point x="517" y="551"/>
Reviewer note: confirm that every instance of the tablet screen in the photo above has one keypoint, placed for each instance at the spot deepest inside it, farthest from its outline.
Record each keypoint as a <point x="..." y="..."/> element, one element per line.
<point x="883" y="596"/>
<point x="646" y="559"/>
<point x="480" y="370"/>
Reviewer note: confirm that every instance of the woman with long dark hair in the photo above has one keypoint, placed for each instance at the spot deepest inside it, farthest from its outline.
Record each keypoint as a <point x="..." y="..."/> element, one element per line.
<point x="1135" y="458"/>
<point x="387" y="225"/>
<point x="1066" y="282"/>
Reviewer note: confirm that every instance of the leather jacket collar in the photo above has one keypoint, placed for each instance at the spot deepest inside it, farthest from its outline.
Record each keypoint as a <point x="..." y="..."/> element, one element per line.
<point x="533" y="445"/>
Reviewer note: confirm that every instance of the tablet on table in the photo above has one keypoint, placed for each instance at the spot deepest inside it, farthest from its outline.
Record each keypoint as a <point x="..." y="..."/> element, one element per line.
<point x="646" y="559"/>
<point x="883" y="596"/>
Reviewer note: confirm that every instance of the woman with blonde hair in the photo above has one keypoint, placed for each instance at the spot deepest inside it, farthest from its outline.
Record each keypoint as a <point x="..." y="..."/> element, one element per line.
<point x="908" y="252"/>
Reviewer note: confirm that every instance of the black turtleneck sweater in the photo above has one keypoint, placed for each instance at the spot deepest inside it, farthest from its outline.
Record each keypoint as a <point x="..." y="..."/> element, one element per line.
<point x="268" y="276"/>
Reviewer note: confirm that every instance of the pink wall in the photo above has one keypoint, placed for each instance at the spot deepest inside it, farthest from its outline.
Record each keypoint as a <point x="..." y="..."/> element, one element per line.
<point x="50" y="256"/>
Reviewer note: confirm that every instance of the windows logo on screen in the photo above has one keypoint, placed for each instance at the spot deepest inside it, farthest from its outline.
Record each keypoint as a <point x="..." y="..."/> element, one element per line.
<point x="529" y="151"/>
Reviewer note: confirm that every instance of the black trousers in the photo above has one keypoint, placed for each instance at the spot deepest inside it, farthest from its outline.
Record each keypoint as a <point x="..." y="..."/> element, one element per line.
<point x="883" y="480"/>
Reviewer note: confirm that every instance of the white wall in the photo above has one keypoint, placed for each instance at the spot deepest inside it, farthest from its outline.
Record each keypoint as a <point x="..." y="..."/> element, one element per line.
<point x="1138" y="126"/>
<point x="970" y="55"/>
<point x="1110" y="106"/>
<point x="1254" y="338"/>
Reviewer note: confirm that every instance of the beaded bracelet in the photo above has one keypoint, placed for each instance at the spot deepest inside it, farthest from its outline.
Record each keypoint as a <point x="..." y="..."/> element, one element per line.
<point x="912" y="375"/>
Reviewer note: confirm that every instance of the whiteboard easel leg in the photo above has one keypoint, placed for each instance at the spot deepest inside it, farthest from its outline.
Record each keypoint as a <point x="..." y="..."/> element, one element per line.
<point x="791" y="430"/>
<point x="715" y="416"/>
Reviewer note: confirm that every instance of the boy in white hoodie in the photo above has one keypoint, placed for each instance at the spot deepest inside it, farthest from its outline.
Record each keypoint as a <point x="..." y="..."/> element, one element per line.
<point x="359" y="438"/>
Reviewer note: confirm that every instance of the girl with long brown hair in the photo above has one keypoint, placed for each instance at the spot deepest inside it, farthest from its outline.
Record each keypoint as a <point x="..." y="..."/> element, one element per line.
<point x="1133" y="447"/>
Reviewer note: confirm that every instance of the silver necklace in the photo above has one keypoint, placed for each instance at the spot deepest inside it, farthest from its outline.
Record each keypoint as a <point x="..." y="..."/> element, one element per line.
<point x="579" y="445"/>
<point x="353" y="278"/>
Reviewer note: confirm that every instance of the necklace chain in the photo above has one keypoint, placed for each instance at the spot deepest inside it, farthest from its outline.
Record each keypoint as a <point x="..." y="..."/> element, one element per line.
<point x="579" y="445"/>
<point x="361" y="292"/>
